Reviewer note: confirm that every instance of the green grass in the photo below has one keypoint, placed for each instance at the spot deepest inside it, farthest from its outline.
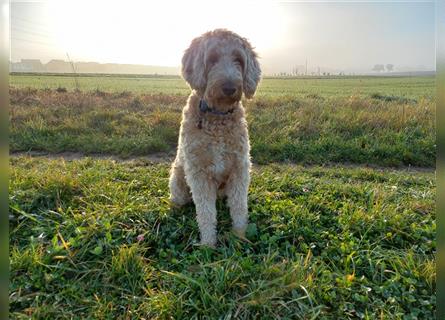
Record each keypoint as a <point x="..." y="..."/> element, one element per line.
<point x="114" y="83"/>
<point x="96" y="122"/>
<point x="317" y="128"/>
<point x="97" y="239"/>
<point x="354" y="130"/>
<point x="410" y="87"/>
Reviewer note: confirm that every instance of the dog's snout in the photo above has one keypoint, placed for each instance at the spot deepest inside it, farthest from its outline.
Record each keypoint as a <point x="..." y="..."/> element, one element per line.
<point x="228" y="89"/>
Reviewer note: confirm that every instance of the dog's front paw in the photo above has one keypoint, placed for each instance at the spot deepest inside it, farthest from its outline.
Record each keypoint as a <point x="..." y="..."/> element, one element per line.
<point x="211" y="245"/>
<point x="208" y="240"/>
<point x="240" y="232"/>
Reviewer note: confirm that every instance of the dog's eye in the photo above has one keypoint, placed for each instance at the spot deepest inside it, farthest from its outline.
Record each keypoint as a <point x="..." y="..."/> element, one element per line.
<point x="239" y="62"/>
<point x="212" y="59"/>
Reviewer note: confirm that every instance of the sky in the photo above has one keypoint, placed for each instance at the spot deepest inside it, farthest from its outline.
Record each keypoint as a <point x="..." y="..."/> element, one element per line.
<point x="333" y="36"/>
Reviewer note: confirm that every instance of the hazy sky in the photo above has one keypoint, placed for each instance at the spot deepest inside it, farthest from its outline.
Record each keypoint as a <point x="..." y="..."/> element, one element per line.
<point x="333" y="35"/>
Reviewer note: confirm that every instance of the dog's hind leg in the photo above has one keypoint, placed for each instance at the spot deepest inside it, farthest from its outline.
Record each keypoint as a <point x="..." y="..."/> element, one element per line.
<point x="179" y="190"/>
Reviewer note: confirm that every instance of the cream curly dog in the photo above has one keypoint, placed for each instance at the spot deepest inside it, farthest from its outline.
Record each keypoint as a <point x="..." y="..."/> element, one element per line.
<point x="213" y="149"/>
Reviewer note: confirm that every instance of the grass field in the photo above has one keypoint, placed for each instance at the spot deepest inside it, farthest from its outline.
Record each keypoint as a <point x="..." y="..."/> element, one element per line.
<point x="97" y="239"/>
<point x="408" y="87"/>
<point x="93" y="237"/>
<point x="383" y="121"/>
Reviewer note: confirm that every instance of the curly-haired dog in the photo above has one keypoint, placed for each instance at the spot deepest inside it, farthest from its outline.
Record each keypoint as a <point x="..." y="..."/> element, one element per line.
<point x="213" y="149"/>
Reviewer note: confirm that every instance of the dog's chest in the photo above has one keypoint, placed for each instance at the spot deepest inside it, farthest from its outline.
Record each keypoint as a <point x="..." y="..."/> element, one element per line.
<point x="222" y="156"/>
<point x="215" y="147"/>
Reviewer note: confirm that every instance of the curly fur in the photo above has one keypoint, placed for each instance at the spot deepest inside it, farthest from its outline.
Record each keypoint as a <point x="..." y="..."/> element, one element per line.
<point x="213" y="149"/>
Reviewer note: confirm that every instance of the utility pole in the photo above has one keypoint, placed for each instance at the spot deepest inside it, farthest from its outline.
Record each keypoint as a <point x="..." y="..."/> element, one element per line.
<point x="74" y="71"/>
<point x="306" y="68"/>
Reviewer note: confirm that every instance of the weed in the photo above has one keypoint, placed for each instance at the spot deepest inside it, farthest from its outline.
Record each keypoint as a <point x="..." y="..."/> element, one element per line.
<point x="392" y="98"/>
<point x="61" y="89"/>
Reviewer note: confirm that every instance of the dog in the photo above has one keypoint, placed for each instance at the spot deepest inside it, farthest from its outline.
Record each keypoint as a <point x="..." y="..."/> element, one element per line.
<point x="213" y="154"/>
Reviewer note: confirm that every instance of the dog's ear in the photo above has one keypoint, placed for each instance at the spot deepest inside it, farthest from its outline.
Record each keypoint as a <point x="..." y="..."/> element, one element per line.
<point x="193" y="69"/>
<point x="252" y="73"/>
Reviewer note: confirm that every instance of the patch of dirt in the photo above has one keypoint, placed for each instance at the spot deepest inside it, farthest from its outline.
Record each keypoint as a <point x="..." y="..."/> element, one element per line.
<point x="164" y="157"/>
<point x="70" y="156"/>
<point x="361" y="166"/>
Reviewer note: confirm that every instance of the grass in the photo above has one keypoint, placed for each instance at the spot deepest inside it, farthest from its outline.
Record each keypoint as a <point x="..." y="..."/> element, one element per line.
<point x="314" y="128"/>
<point x="409" y="87"/>
<point x="354" y="130"/>
<point x="97" y="122"/>
<point x="97" y="239"/>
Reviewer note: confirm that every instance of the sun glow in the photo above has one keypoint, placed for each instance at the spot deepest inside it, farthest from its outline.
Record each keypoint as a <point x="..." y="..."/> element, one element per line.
<point x="155" y="32"/>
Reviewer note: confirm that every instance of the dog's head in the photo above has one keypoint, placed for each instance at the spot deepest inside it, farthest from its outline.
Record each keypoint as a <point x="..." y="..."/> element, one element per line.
<point x="220" y="66"/>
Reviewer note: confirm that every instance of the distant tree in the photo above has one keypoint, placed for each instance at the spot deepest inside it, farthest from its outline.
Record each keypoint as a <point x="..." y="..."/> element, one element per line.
<point x="378" y="67"/>
<point x="389" y="67"/>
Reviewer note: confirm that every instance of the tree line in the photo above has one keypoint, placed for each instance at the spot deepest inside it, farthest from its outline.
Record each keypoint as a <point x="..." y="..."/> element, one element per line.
<point x="381" y="67"/>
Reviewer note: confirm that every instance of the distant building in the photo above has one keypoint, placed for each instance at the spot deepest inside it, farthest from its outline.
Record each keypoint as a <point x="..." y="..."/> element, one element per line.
<point x="62" y="66"/>
<point x="89" y="67"/>
<point x="58" y="66"/>
<point x="27" y="65"/>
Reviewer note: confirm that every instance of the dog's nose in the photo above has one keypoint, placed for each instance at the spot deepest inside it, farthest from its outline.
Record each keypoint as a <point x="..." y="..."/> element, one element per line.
<point x="228" y="89"/>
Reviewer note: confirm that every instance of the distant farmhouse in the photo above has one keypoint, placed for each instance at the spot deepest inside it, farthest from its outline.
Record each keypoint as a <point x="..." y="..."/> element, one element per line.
<point x="27" y="65"/>
<point x="62" y="66"/>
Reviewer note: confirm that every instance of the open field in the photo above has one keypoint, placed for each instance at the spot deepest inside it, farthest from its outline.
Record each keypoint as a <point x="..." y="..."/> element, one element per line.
<point x="97" y="239"/>
<point x="408" y="87"/>
<point x="93" y="237"/>
<point x="383" y="121"/>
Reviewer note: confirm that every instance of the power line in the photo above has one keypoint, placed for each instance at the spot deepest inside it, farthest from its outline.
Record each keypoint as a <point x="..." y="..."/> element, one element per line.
<point x="30" y="32"/>
<point x="33" y="41"/>
<point x="18" y="48"/>
<point x="33" y="23"/>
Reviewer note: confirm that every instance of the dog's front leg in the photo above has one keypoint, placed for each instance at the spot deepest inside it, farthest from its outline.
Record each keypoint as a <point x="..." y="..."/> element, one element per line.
<point x="204" y="197"/>
<point x="236" y="190"/>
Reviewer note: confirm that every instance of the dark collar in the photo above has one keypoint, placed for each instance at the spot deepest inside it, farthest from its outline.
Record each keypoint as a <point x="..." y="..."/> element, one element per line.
<point x="204" y="108"/>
